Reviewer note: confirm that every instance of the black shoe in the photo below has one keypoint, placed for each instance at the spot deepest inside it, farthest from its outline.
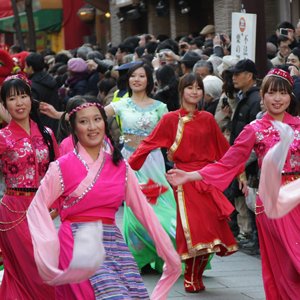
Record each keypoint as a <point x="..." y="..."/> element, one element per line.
<point x="147" y="269"/>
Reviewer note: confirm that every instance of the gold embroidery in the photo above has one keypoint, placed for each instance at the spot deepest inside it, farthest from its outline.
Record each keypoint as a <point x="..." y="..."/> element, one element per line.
<point x="179" y="134"/>
<point x="183" y="217"/>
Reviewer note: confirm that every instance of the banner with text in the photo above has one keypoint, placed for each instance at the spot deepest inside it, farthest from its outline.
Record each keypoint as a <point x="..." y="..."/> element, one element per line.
<point x="243" y="35"/>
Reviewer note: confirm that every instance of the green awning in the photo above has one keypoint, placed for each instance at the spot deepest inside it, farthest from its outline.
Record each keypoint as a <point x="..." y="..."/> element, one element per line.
<point x="49" y="20"/>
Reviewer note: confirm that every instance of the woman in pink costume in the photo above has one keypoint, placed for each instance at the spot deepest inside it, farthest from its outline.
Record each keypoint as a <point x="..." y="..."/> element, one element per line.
<point x="278" y="238"/>
<point x="26" y="148"/>
<point x="88" y="185"/>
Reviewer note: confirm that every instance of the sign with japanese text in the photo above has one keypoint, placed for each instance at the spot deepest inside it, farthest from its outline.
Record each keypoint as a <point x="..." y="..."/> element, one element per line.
<point x="243" y="35"/>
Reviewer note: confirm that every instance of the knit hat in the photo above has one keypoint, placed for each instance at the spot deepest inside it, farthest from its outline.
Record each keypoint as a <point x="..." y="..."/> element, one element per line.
<point x="228" y="61"/>
<point x="77" y="65"/>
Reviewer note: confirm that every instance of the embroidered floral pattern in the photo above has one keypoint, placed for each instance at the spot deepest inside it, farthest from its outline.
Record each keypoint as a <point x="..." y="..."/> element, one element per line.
<point x="24" y="161"/>
<point x="266" y="138"/>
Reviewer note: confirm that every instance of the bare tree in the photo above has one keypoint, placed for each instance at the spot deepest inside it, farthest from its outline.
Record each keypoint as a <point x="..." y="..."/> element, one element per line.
<point x="31" y="25"/>
<point x="17" y="24"/>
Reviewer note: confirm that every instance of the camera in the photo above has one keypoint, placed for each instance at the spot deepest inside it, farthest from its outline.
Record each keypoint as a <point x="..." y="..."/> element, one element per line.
<point x="284" y="31"/>
<point x="162" y="56"/>
<point x="222" y="38"/>
<point x="225" y="102"/>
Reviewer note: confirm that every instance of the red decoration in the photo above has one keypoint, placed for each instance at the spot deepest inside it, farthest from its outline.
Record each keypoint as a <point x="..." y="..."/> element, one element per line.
<point x="152" y="190"/>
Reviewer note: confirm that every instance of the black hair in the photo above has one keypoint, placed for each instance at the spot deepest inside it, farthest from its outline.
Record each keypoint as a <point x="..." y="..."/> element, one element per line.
<point x="36" y="61"/>
<point x="20" y="87"/>
<point x="280" y="84"/>
<point x="168" y="87"/>
<point x="107" y="83"/>
<point x="228" y="86"/>
<point x="151" y="47"/>
<point x="168" y="44"/>
<point x="296" y="52"/>
<point x="61" y="58"/>
<point x="149" y="75"/>
<point x="78" y="101"/>
<point x="286" y="24"/>
<point x="198" y="41"/>
<point x="112" y="50"/>
<point x="282" y="38"/>
<point x="139" y="51"/>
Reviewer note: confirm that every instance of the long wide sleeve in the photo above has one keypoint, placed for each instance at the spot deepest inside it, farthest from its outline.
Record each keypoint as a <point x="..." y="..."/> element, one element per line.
<point x="278" y="200"/>
<point x="136" y="200"/>
<point x="87" y="255"/>
<point x="221" y="173"/>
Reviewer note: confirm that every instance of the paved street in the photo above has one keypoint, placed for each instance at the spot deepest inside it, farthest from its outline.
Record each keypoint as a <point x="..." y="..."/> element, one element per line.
<point x="237" y="277"/>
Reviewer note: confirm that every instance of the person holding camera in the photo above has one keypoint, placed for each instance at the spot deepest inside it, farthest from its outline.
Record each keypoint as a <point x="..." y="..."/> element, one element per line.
<point x="283" y="44"/>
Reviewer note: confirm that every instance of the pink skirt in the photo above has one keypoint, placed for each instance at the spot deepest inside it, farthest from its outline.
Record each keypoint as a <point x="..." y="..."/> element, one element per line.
<point x="21" y="279"/>
<point x="280" y="254"/>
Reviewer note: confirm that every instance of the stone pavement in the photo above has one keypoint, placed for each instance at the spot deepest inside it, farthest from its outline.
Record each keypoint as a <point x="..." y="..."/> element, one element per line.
<point x="236" y="277"/>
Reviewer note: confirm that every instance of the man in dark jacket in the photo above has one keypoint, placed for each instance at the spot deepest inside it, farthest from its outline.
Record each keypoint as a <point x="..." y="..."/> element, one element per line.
<point x="43" y="85"/>
<point x="248" y="106"/>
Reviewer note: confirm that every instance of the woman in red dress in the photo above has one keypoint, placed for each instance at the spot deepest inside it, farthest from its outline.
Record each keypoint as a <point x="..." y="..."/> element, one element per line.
<point x="193" y="140"/>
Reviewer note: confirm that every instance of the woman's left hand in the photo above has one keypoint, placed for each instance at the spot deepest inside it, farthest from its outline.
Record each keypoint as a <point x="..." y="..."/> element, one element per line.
<point x="243" y="186"/>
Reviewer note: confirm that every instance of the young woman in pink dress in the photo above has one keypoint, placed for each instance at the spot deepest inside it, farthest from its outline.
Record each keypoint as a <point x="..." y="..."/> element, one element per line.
<point x="278" y="238"/>
<point x="26" y="149"/>
<point x="88" y="185"/>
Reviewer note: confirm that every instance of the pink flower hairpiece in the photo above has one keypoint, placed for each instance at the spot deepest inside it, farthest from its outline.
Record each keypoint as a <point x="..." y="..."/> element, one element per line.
<point x="85" y="105"/>
<point x="19" y="76"/>
<point x="281" y="74"/>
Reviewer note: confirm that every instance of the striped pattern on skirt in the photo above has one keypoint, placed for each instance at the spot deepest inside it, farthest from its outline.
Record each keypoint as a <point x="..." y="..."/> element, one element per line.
<point x="118" y="277"/>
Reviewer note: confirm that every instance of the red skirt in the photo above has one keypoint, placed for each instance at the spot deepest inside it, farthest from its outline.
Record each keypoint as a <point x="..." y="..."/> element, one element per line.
<point x="202" y="225"/>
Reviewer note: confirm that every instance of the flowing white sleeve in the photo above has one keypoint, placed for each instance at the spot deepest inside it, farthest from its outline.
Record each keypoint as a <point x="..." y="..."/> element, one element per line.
<point x="136" y="200"/>
<point x="88" y="252"/>
<point x="278" y="200"/>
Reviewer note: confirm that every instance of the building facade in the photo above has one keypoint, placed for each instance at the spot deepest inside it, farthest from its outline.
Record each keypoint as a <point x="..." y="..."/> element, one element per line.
<point x="169" y="18"/>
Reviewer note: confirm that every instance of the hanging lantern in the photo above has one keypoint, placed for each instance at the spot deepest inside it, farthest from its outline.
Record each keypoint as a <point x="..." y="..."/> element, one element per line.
<point x="87" y="13"/>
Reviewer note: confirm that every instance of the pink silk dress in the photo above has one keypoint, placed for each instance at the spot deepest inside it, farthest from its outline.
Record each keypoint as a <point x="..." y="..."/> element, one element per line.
<point x="103" y="188"/>
<point x="24" y="161"/>
<point x="278" y="238"/>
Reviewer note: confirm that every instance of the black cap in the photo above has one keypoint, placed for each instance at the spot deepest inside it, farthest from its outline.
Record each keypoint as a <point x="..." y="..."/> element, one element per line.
<point x="129" y="65"/>
<point x="191" y="57"/>
<point x="245" y="65"/>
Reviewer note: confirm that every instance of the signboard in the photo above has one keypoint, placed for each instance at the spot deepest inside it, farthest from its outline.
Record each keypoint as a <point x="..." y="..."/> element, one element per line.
<point x="243" y="35"/>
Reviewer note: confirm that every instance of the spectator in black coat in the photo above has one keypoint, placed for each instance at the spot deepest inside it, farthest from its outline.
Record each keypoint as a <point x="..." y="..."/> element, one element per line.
<point x="44" y="86"/>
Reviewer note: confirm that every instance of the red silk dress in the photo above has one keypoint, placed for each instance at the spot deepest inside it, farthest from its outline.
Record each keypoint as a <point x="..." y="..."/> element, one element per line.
<point x="193" y="140"/>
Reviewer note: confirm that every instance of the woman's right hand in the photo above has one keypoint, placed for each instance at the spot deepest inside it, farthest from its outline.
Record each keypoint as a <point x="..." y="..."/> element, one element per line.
<point x="49" y="110"/>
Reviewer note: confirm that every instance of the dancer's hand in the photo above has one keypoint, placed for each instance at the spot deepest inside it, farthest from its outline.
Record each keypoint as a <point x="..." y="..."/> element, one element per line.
<point x="177" y="177"/>
<point x="243" y="186"/>
<point x="49" y="110"/>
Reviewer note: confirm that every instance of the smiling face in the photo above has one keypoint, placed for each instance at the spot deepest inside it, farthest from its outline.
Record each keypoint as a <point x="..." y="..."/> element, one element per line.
<point x="19" y="106"/>
<point x="90" y="128"/>
<point x="192" y="94"/>
<point x="138" y="80"/>
<point x="277" y="98"/>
